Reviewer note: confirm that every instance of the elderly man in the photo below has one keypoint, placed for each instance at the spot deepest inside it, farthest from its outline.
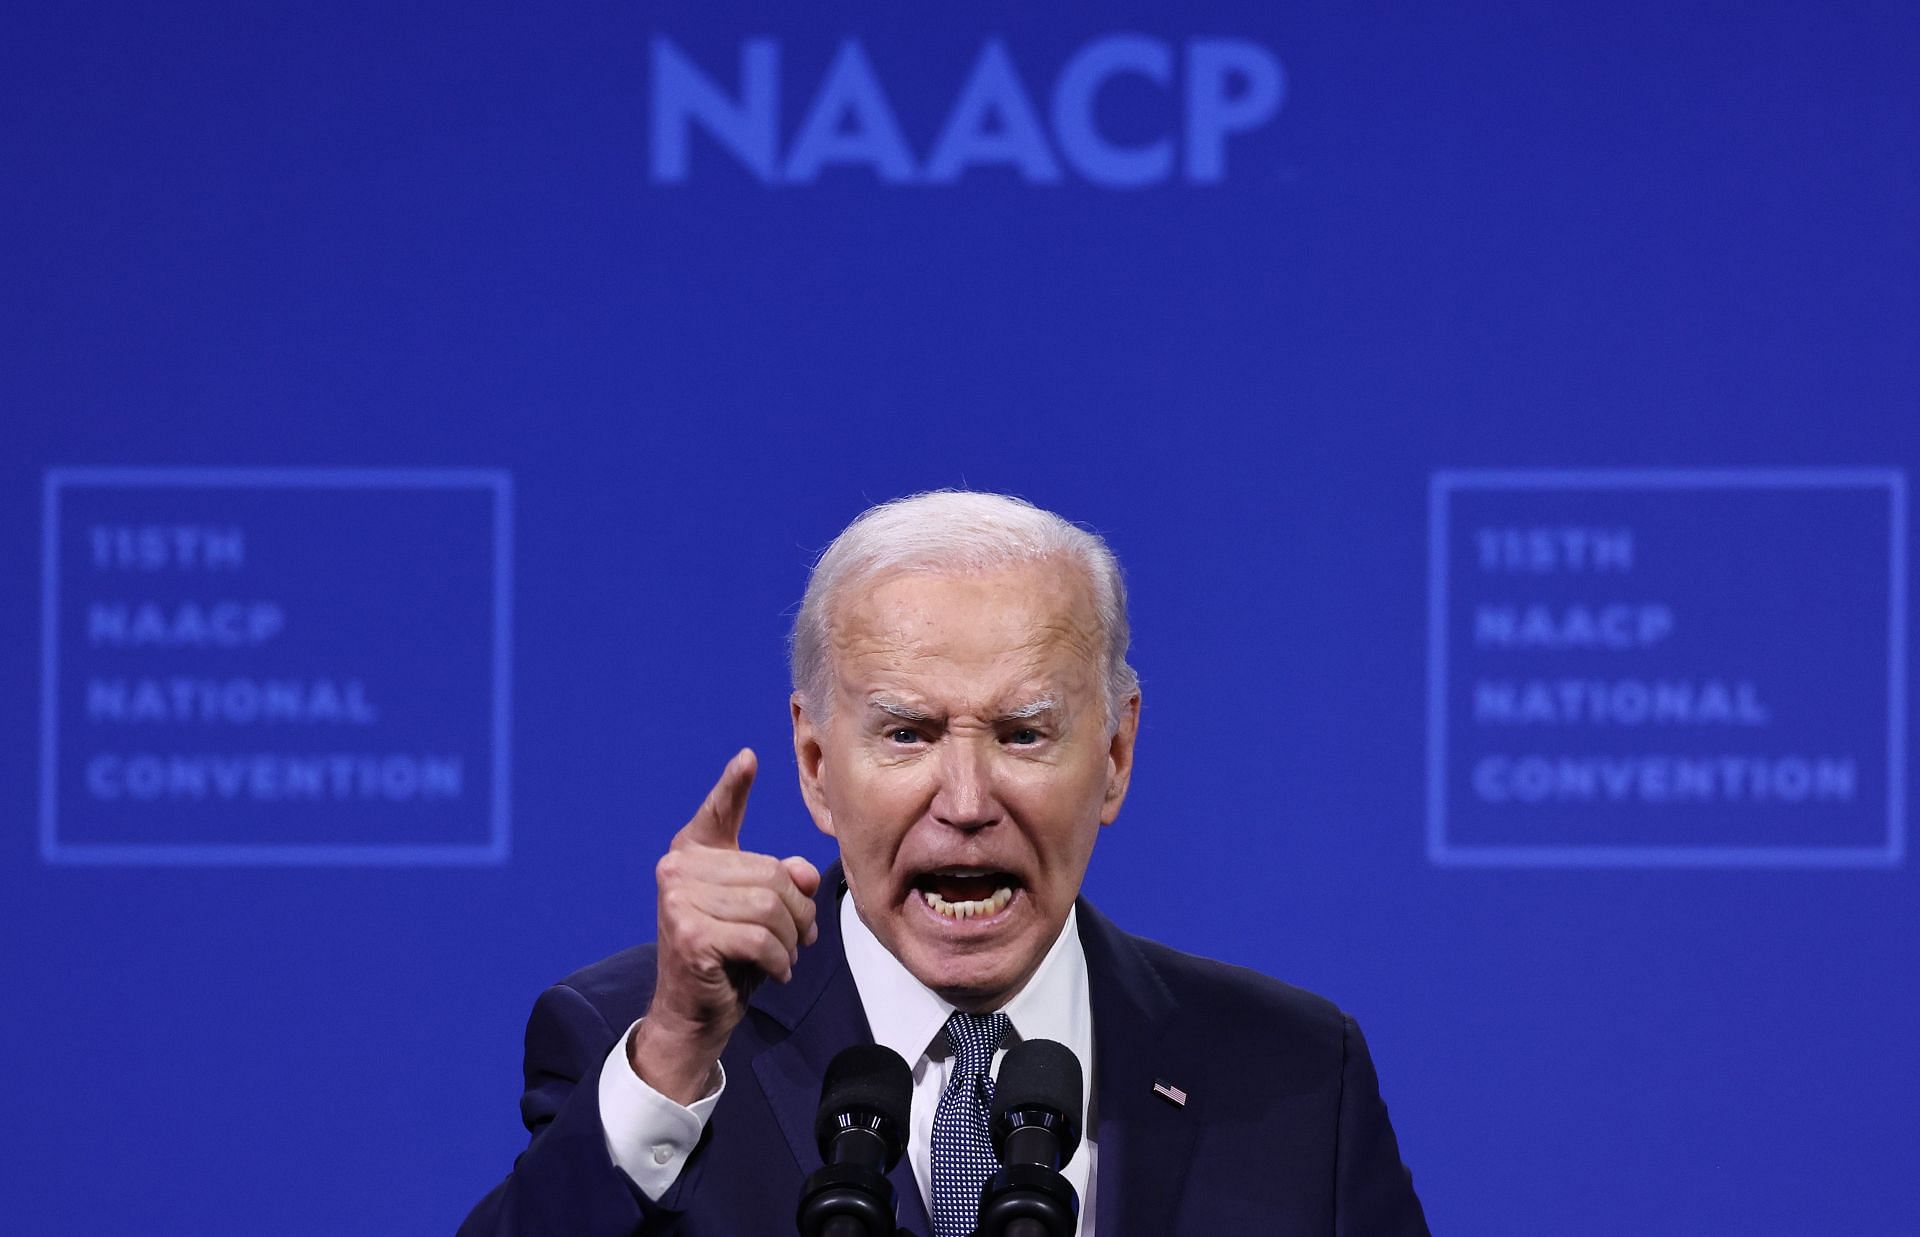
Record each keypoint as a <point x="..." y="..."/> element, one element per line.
<point x="964" y="721"/>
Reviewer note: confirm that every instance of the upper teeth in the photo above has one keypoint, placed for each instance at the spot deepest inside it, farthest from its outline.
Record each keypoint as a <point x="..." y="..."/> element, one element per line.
<point x="967" y="910"/>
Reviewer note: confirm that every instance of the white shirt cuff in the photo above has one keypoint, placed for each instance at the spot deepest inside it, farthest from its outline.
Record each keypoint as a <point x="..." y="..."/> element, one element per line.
<point x="648" y="1135"/>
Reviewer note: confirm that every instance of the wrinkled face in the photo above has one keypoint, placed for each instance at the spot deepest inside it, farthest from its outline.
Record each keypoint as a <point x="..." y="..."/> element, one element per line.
<point x="965" y="766"/>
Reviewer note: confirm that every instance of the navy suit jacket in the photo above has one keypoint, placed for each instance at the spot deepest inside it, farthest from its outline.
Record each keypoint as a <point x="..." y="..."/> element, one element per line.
<point x="1283" y="1132"/>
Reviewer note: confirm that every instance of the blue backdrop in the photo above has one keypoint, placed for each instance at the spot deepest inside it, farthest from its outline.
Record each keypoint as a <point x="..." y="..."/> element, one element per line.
<point x="420" y="420"/>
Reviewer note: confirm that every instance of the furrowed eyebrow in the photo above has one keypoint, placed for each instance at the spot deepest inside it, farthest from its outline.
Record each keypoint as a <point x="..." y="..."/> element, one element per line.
<point x="1031" y="709"/>
<point x="1019" y="713"/>
<point x="905" y="712"/>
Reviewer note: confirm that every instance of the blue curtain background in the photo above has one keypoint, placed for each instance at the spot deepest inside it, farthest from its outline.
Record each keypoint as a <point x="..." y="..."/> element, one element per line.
<point x="1471" y="239"/>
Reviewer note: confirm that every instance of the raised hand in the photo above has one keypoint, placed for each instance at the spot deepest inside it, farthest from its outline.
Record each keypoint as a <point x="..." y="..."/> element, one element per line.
<point x="729" y="919"/>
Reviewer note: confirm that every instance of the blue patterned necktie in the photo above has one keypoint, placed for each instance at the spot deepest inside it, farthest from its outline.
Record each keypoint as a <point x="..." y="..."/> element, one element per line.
<point x="963" y="1156"/>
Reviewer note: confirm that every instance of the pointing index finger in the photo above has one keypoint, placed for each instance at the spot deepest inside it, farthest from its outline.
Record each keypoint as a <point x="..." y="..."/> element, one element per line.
<point x="717" y="823"/>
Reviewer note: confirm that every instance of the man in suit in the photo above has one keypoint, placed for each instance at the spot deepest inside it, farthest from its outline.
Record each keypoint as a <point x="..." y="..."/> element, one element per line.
<point x="964" y="720"/>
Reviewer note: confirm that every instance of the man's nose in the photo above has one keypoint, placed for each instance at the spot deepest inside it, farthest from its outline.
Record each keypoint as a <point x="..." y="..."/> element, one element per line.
<point x="965" y="799"/>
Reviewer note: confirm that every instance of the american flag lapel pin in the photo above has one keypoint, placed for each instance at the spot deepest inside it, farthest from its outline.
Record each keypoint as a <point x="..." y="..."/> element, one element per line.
<point x="1170" y="1093"/>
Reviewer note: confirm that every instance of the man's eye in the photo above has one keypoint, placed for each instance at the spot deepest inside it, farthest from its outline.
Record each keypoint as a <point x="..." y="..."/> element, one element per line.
<point x="903" y="734"/>
<point x="1025" y="736"/>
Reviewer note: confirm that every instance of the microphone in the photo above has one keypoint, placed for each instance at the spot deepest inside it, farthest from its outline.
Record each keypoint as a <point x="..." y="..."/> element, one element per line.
<point x="1036" y="1129"/>
<point x="861" y="1129"/>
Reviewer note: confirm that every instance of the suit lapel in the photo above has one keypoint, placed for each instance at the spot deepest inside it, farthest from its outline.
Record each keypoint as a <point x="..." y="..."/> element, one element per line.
<point x="1145" y="1140"/>
<point x="821" y="1011"/>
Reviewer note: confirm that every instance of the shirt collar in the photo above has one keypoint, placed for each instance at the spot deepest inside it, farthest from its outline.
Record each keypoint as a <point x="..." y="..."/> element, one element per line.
<point x="907" y="1016"/>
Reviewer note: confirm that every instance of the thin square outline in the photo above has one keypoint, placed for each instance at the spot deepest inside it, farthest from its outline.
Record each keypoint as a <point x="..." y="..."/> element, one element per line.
<point x="498" y="847"/>
<point x="1446" y="482"/>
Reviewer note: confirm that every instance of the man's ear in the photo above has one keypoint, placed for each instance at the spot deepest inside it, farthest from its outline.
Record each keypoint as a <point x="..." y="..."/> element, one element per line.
<point x="812" y="761"/>
<point x="1120" y="759"/>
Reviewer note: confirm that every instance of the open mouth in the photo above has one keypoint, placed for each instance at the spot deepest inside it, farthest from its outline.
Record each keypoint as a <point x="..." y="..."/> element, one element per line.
<point x="966" y="893"/>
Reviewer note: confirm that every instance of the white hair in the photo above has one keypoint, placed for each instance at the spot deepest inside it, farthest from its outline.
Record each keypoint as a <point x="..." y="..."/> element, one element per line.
<point x="957" y="531"/>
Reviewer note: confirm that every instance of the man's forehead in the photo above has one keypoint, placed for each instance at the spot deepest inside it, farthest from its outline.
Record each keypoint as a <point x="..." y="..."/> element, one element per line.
<point x="1000" y="640"/>
<point x="1021" y="603"/>
<point x="1000" y="687"/>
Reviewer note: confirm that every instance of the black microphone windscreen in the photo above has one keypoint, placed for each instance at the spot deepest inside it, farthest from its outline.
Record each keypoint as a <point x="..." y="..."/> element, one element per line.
<point x="1039" y="1073"/>
<point x="867" y="1078"/>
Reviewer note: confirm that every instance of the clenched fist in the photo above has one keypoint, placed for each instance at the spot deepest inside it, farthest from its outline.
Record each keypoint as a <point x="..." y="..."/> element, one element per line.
<point x="729" y="919"/>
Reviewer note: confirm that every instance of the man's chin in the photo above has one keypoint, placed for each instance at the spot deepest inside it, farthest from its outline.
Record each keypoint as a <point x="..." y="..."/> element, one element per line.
<point x="974" y="965"/>
<point x="977" y="991"/>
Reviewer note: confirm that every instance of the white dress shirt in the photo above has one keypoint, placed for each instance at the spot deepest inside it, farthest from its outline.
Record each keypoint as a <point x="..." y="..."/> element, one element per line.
<point x="650" y="1137"/>
<point x="911" y="1019"/>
